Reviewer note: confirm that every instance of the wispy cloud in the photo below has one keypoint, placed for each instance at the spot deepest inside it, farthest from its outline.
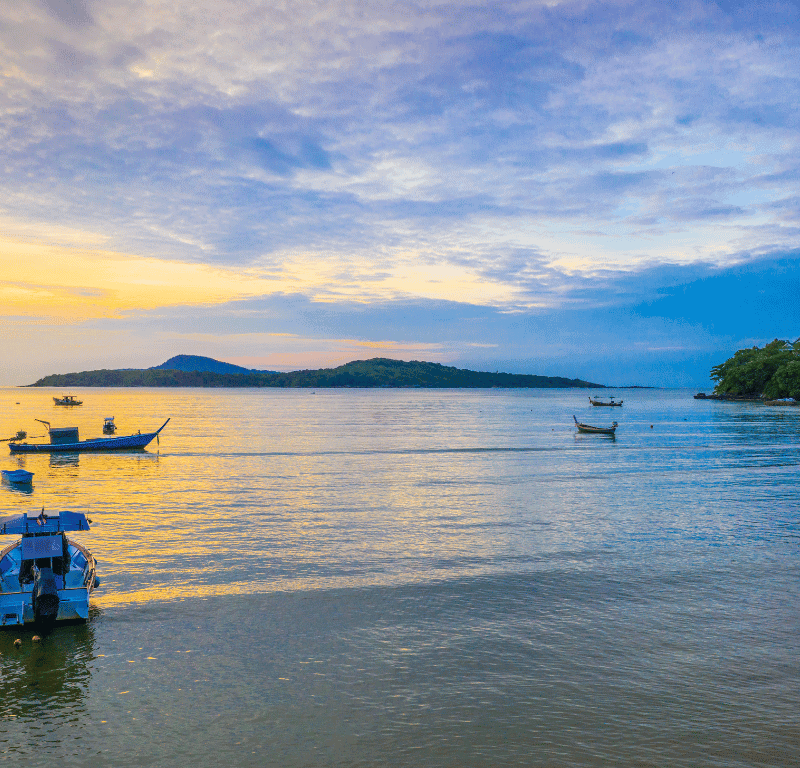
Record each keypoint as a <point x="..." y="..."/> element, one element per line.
<point x="519" y="157"/>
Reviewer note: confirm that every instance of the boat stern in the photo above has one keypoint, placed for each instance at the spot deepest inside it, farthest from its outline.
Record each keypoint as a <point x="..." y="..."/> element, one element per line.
<point x="15" y="609"/>
<point x="73" y="605"/>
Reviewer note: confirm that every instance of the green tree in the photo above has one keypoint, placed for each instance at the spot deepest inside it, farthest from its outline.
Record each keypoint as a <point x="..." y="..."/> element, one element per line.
<point x="785" y="382"/>
<point x="770" y="371"/>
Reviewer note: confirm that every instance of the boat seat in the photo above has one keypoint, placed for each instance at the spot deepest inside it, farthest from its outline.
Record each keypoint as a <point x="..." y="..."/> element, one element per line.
<point x="74" y="579"/>
<point x="9" y="583"/>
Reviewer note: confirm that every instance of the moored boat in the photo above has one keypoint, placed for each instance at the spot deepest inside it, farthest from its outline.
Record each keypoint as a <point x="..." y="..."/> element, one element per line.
<point x="44" y="576"/>
<point x="17" y="476"/>
<point x="67" y="400"/>
<point x="66" y="440"/>
<point x="590" y="430"/>
<point x="109" y="427"/>
<point x="21" y="435"/>
<point x="611" y="402"/>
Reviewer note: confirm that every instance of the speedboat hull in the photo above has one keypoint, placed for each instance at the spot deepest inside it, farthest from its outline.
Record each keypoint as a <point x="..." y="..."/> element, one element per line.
<point x="17" y="609"/>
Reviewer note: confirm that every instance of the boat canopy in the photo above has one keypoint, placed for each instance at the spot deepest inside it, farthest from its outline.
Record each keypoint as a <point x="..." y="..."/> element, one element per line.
<point x="34" y="547"/>
<point x="43" y="523"/>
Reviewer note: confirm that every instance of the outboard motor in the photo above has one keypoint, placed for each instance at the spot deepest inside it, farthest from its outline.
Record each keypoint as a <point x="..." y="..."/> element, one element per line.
<point x="45" y="597"/>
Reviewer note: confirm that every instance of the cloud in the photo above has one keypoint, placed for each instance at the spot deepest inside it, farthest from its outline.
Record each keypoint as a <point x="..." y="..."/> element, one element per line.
<point x="665" y="325"/>
<point x="516" y="158"/>
<point x="71" y="12"/>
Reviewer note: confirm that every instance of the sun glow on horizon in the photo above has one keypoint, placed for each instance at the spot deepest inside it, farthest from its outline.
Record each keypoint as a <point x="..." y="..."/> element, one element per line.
<point x="44" y="279"/>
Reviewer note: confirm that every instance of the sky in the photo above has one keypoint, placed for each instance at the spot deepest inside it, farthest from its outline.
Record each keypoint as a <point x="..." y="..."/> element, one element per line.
<point x="601" y="190"/>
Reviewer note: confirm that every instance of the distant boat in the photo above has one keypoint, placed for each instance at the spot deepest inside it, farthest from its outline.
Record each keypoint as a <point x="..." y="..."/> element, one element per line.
<point x="21" y="435"/>
<point x="17" y="476"/>
<point x="109" y="427"/>
<point x="590" y="430"/>
<point x="611" y="402"/>
<point x="66" y="440"/>
<point x="67" y="400"/>
<point x="44" y="576"/>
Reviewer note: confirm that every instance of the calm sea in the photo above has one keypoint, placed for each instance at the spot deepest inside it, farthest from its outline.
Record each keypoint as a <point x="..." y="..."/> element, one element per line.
<point x="417" y="578"/>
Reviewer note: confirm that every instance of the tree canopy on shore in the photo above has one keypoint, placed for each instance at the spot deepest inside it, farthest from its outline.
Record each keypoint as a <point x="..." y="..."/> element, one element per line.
<point x="377" y="372"/>
<point x="771" y="372"/>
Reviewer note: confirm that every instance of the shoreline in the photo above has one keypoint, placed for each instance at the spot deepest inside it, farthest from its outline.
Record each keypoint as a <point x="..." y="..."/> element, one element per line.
<point x="742" y="399"/>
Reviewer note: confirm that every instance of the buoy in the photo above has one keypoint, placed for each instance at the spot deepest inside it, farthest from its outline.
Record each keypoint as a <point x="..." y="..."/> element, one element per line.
<point x="36" y="639"/>
<point x="651" y="426"/>
<point x="18" y="643"/>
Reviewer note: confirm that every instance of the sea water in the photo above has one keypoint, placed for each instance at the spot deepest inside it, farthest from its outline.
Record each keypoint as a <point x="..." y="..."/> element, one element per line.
<point x="416" y="578"/>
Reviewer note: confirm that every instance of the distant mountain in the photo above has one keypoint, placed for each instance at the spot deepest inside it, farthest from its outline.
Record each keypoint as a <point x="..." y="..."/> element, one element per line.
<point x="198" y="363"/>
<point x="377" y="372"/>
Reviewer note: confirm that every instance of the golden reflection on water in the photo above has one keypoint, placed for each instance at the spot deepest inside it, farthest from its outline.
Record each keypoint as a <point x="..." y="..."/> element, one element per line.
<point x="251" y="492"/>
<point x="258" y="491"/>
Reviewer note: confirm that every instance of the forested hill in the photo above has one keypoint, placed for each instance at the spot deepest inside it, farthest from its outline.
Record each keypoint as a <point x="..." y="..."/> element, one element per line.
<point x="770" y="372"/>
<point x="378" y="372"/>
<point x="198" y="363"/>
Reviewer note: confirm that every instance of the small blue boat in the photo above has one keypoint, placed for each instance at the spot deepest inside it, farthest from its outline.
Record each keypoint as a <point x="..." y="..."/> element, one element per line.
<point x="17" y="476"/>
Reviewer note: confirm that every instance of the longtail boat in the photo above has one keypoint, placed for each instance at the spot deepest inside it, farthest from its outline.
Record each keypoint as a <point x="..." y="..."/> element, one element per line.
<point x="611" y="402"/>
<point x="67" y="400"/>
<point x="590" y="430"/>
<point x="66" y="440"/>
<point x="44" y="576"/>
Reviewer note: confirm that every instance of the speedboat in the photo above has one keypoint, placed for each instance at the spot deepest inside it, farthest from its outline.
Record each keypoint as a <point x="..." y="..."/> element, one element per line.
<point x="109" y="427"/>
<point x="45" y="577"/>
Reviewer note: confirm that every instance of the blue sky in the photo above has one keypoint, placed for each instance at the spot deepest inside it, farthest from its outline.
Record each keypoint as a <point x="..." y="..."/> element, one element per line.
<point x="600" y="190"/>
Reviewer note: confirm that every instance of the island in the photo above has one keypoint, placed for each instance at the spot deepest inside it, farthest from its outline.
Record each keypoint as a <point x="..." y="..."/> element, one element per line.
<point x="770" y="373"/>
<point x="196" y="371"/>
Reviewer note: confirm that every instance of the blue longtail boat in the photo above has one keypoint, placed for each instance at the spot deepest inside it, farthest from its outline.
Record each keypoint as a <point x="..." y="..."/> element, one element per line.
<point x="66" y="440"/>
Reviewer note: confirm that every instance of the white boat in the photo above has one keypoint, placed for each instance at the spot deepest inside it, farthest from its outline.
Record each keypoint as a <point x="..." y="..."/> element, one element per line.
<point x="109" y="427"/>
<point x="44" y="576"/>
